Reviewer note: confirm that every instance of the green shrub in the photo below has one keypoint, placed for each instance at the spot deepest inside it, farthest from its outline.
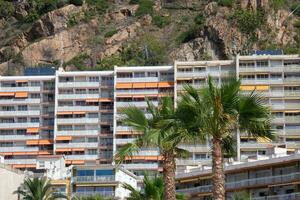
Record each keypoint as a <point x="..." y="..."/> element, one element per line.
<point x="72" y="20"/>
<point x="188" y="35"/>
<point x="134" y="2"/>
<point x="110" y="33"/>
<point x="7" y="9"/>
<point x="62" y="3"/>
<point x="227" y="3"/>
<point x="31" y="17"/>
<point x="101" y="6"/>
<point x="278" y="4"/>
<point x="199" y="19"/>
<point x="108" y="63"/>
<point x="296" y="9"/>
<point x="145" y="7"/>
<point x="49" y="6"/>
<point x="76" y="2"/>
<point x="160" y="21"/>
<point x="247" y="20"/>
<point x="78" y="61"/>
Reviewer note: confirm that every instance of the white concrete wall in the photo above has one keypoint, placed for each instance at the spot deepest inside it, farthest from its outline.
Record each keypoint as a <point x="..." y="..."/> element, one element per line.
<point x="122" y="177"/>
<point x="9" y="182"/>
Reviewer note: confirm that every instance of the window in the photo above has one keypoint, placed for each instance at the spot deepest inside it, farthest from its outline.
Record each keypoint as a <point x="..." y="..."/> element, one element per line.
<point x="199" y="69"/>
<point x="42" y="164"/>
<point x="80" y="91"/>
<point x="35" y="96"/>
<point x="262" y="63"/>
<point x="35" y="83"/>
<point x="85" y="173"/>
<point x="139" y="74"/>
<point x="22" y="107"/>
<point x="262" y="76"/>
<point x="92" y="152"/>
<point x="91" y="140"/>
<point x="120" y="75"/>
<point x="94" y="79"/>
<point x="22" y="120"/>
<point x="36" y="119"/>
<point x="104" y="172"/>
<point x="152" y="74"/>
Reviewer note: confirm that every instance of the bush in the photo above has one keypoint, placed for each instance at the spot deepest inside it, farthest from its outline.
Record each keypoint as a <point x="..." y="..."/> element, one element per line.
<point x="134" y="2"/>
<point x="78" y="61"/>
<point x="296" y="9"/>
<point x="76" y="2"/>
<point x="62" y="3"/>
<point x="31" y="17"/>
<point x="199" y="19"/>
<point x="100" y="5"/>
<point x="160" y="21"/>
<point x="7" y="9"/>
<point x="110" y="33"/>
<point x="188" y="35"/>
<point x="247" y="20"/>
<point x="145" y="7"/>
<point x="227" y="3"/>
<point x="278" y="4"/>
<point x="72" y="20"/>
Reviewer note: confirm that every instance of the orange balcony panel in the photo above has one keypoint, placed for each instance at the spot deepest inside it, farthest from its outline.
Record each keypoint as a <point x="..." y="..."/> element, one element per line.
<point x="32" y="142"/>
<point x="105" y="100"/>
<point x="91" y="100"/>
<point x="20" y="166"/>
<point x="61" y="138"/>
<point x="21" y="153"/>
<point x="32" y="130"/>
<point x="64" y="113"/>
<point x="78" y="149"/>
<point x="68" y="161"/>
<point x="63" y="150"/>
<point x="138" y="85"/>
<point x="262" y="87"/>
<point x="7" y="94"/>
<point x="45" y="142"/>
<point x="123" y="85"/>
<point x="21" y="81"/>
<point x="247" y="87"/>
<point x="6" y="153"/>
<point x="124" y="95"/>
<point x="139" y="96"/>
<point x="151" y="85"/>
<point x="78" y="162"/>
<point x="79" y="113"/>
<point x="21" y="94"/>
<point x="32" y="153"/>
<point x="144" y="158"/>
<point x="128" y="133"/>
<point x="44" y="153"/>
<point x="165" y="84"/>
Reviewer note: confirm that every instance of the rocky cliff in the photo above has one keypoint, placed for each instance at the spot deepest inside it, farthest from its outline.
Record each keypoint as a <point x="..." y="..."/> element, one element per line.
<point x="99" y="34"/>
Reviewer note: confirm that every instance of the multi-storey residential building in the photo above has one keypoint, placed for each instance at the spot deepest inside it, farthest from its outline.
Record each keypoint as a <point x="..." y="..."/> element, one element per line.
<point x="26" y="119"/>
<point x="88" y="129"/>
<point x="276" y="178"/>
<point x="105" y="180"/>
<point x="134" y="86"/>
<point x="84" y="117"/>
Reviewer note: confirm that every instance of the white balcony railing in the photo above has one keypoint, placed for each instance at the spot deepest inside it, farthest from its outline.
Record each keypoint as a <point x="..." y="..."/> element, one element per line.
<point x="137" y="104"/>
<point x="18" y="137"/>
<point x="143" y="166"/>
<point x="77" y="108"/>
<point x="19" y="101"/>
<point x="20" y="161"/>
<point x="21" y="89"/>
<point x="138" y="79"/>
<point x="19" y="125"/>
<point x="77" y="133"/>
<point x="81" y="157"/>
<point x="92" y="194"/>
<point x="125" y="141"/>
<point x="77" y="145"/>
<point x="78" y="84"/>
<point x="18" y="149"/>
<point x="20" y="113"/>
<point x="83" y="120"/>
<point x="105" y="178"/>
<point x="78" y="96"/>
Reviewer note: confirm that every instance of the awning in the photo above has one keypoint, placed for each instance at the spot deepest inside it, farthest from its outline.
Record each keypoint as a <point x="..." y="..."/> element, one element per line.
<point x="91" y="100"/>
<point x="138" y="85"/>
<point x="79" y="113"/>
<point x="262" y="87"/>
<point x="7" y="94"/>
<point x="247" y="87"/>
<point x="21" y="81"/>
<point x="61" y="138"/>
<point x="63" y="150"/>
<point x="151" y="85"/>
<point x="77" y="162"/>
<point x="123" y="85"/>
<point x="105" y="100"/>
<point x="165" y="84"/>
<point x="78" y="149"/>
<point x="32" y="130"/>
<point x="45" y="142"/>
<point x="64" y="113"/>
<point x="32" y="142"/>
<point x="21" y="94"/>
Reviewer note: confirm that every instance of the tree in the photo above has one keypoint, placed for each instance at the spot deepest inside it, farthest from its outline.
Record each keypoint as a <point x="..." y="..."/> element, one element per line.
<point x="38" y="189"/>
<point x="153" y="190"/>
<point x="216" y="112"/>
<point x="161" y="130"/>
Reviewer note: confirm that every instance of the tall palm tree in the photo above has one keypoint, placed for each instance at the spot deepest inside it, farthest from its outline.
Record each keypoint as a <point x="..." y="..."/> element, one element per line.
<point x="161" y="131"/>
<point x="38" y="189"/>
<point x="216" y="112"/>
<point x="153" y="190"/>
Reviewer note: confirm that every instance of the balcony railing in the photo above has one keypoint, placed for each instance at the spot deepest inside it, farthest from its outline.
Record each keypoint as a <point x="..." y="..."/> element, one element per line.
<point x="125" y="141"/>
<point x="18" y="137"/>
<point x="20" y="161"/>
<point x="18" y="149"/>
<point x="92" y="194"/>
<point x="77" y="108"/>
<point x="21" y="89"/>
<point x="83" y="120"/>
<point x="78" y="96"/>
<point x="138" y="79"/>
<point x="137" y="104"/>
<point x="77" y="133"/>
<point x="81" y="157"/>
<point x="19" y="125"/>
<point x="150" y="91"/>
<point x="106" y="178"/>
<point x="246" y="183"/>
<point x="292" y="196"/>
<point x="77" y="145"/>
<point x="19" y="101"/>
<point x="78" y="84"/>
<point x="144" y="166"/>
<point x="20" y="113"/>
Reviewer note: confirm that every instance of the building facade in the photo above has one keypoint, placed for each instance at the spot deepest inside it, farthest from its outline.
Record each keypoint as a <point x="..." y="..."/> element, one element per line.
<point x="77" y="114"/>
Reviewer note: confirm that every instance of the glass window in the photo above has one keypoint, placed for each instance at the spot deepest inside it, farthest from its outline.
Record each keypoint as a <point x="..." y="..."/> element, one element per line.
<point x="85" y="173"/>
<point x="106" y="172"/>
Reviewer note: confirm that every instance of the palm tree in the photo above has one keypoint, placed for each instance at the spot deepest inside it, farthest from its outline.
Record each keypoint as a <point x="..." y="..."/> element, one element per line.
<point x="38" y="189"/>
<point x="215" y="113"/>
<point x="153" y="190"/>
<point x="160" y="131"/>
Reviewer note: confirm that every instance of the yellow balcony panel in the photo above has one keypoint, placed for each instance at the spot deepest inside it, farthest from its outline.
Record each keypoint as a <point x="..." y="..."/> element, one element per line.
<point x="247" y="87"/>
<point x="262" y="87"/>
<point x="263" y="140"/>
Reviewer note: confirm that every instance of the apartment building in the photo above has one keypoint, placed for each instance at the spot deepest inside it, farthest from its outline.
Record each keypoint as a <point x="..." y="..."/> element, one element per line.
<point x="77" y="114"/>
<point x="84" y="117"/>
<point x="26" y="119"/>
<point x="276" y="178"/>
<point x="134" y="86"/>
<point x="104" y="180"/>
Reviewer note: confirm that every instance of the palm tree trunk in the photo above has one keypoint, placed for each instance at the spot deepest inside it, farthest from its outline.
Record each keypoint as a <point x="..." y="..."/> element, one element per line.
<point x="169" y="177"/>
<point x="218" y="171"/>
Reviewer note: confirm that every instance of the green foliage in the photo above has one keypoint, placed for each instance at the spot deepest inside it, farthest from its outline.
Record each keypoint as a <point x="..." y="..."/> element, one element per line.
<point x="297" y="24"/>
<point x="247" y="20"/>
<point x="131" y="2"/>
<point x="160" y="21"/>
<point x="31" y="17"/>
<point x="76" y="2"/>
<point x="72" y="20"/>
<point x="110" y="33"/>
<point x="278" y="4"/>
<point x="78" y="61"/>
<point x="199" y="19"/>
<point x="227" y="3"/>
<point x="145" y="7"/>
<point x="241" y="196"/>
<point x="8" y="54"/>
<point x="7" y="9"/>
<point x="100" y="6"/>
<point x="188" y="35"/>
<point x="108" y="63"/>
<point x="295" y="7"/>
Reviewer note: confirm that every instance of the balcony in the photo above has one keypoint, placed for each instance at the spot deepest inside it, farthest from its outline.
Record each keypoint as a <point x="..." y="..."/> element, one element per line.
<point x="136" y="92"/>
<point x="83" y="120"/>
<point x="78" y="96"/>
<point x="292" y="68"/>
<point x="77" y="133"/>
<point x="19" y="125"/>
<point x="138" y="79"/>
<point x="20" y="113"/>
<point x="257" y="145"/>
<point x="18" y="137"/>
<point x="19" y="101"/>
<point x="78" y="84"/>
<point x="292" y="80"/>
<point x="248" y="183"/>
<point x="195" y="148"/>
<point x="290" y="119"/>
<point x="137" y="104"/>
<point x="105" y="178"/>
<point x="92" y="194"/>
<point x="124" y="128"/>
<point x="77" y="145"/>
<point x="261" y="81"/>
<point x="292" y="132"/>
<point x="81" y="157"/>
<point x="20" y="161"/>
<point x="141" y="166"/>
<point x="192" y="161"/>
<point x="77" y="108"/>
<point x="18" y="149"/>
<point x="292" y="196"/>
<point x="21" y="89"/>
<point x="292" y="93"/>
<point x="124" y="141"/>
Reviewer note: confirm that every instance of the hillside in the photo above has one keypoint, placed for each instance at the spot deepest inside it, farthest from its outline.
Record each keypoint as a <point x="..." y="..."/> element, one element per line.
<point x="98" y="34"/>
